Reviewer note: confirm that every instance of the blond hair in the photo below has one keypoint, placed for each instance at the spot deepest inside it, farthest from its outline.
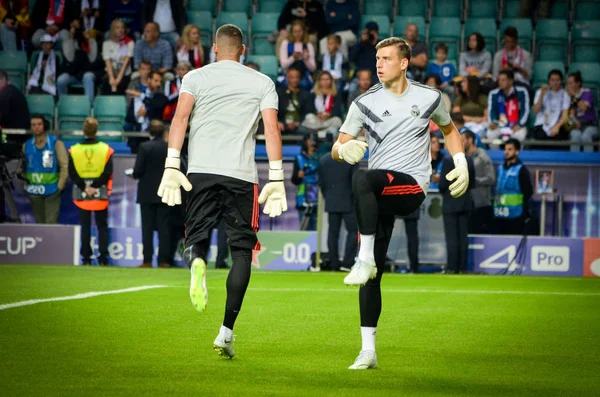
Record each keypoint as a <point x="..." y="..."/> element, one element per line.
<point x="113" y="28"/>
<point x="187" y="42"/>
<point x="404" y="49"/>
<point x="90" y="127"/>
<point x="290" y="37"/>
<point x="319" y="91"/>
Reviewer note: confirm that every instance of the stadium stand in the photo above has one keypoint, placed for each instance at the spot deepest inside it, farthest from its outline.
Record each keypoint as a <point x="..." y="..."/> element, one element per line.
<point x="72" y="111"/>
<point x="551" y="37"/>
<point x="42" y="104"/>
<point x="382" y="20"/>
<point x="445" y="30"/>
<point x="263" y="26"/>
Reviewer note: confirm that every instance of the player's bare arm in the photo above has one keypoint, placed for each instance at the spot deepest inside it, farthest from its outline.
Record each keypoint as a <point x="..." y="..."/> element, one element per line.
<point x="272" y="134"/>
<point x="460" y="173"/>
<point x="273" y="194"/>
<point x="179" y="125"/>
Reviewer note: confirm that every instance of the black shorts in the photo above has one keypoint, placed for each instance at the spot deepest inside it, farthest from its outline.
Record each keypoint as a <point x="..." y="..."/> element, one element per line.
<point x="215" y="197"/>
<point x="399" y="193"/>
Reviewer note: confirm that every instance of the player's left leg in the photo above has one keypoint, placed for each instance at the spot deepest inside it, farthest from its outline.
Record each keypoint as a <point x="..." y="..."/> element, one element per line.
<point x="370" y="297"/>
<point x="241" y="214"/>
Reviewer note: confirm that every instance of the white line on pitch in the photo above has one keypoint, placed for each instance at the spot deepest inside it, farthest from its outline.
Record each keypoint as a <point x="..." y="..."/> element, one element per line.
<point x="434" y="291"/>
<point x="78" y="296"/>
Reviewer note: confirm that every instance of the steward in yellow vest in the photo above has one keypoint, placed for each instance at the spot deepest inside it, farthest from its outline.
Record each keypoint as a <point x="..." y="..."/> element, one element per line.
<point x="90" y="169"/>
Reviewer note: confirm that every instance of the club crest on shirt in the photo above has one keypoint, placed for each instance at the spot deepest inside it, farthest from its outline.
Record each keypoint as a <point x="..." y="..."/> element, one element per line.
<point x="415" y="111"/>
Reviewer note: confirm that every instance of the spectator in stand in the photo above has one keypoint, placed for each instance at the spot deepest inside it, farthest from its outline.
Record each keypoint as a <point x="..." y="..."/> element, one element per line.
<point x="305" y="176"/>
<point x="45" y="170"/>
<point x="93" y="17"/>
<point x="456" y="212"/>
<point x="149" y="105"/>
<point x="191" y="50"/>
<point x="441" y="67"/>
<point x="310" y="12"/>
<point x="583" y="122"/>
<point x="297" y="52"/>
<point x="13" y="106"/>
<point x="324" y="107"/>
<point x="363" y="54"/>
<point x="333" y="60"/>
<point x="139" y="84"/>
<point x="129" y="11"/>
<point x="169" y="15"/>
<point x="118" y="56"/>
<point x="335" y="180"/>
<point x="15" y="24"/>
<point x="293" y="104"/>
<point x="551" y="108"/>
<point x="43" y="76"/>
<point x="485" y="179"/>
<point x="343" y="19"/>
<point x="513" y="58"/>
<point x="364" y="80"/>
<point x="476" y="61"/>
<point x="172" y="89"/>
<point x="508" y="109"/>
<point x="52" y="17"/>
<point x="419" y="57"/>
<point x="459" y="122"/>
<point x="434" y="80"/>
<point x="437" y="155"/>
<point x="513" y="191"/>
<point x="80" y="63"/>
<point x="158" y="51"/>
<point x="472" y="104"/>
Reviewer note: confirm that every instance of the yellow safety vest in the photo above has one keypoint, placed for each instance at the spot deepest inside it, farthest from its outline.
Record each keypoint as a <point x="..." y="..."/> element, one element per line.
<point x="89" y="161"/>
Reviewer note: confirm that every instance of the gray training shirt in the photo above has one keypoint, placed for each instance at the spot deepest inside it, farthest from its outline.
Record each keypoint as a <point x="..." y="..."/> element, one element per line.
<point x="228" y="100"/>
<point x="397" y="127"/>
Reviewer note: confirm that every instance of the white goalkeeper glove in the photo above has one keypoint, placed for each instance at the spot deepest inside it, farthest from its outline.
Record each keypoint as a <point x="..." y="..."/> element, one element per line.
<point x="172" y="180"/>
<point x="273" y="194"/>
<point x="460" y="176"/>
<point x="352" y="151"/>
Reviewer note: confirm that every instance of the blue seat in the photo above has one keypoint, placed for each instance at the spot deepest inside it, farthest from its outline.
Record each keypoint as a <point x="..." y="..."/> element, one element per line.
<point x="271" y="6"/>
<point x="552" y="39"/>
<point x="447" y="8"/>
<point x="41" y="104"/>
<point x="524" y="28"/>
<point x="541" y="70"/>
<point x="268" y="64"/>
<point x="585" y="41"/>
<point x="559" y="9"/>
<point x="72" y="111"/>
<point x="201" y="5"/>
<point x="110" y="111"/>
<point x="382" y="20"/>
<point x="587" y="9"/>
<point x="483" y="9"/>
<point x="412" y="8"/>
<point x="15" y="65"/>
<point x="400" y="25"/>
<point x="590" y="73"/>
<point x="511" y="8"/>
<point x="445" y="30"/>
<point x="378" y="7"/>
<point x="484" y="26"/>
<point x="263" y="26"/>
<point x="236" y="5"/>
<point x="239" y="19"/>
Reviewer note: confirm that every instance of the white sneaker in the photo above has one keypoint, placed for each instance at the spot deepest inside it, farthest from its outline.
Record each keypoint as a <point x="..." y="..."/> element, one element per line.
<point x="198" y="290"/>
<point x="366" y="359"/>
<point x="224" y="347"/>
<point x="360" y="273"/>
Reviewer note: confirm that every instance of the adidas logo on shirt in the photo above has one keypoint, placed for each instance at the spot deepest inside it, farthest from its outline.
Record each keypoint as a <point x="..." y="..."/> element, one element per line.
<point x="386" y="113"/>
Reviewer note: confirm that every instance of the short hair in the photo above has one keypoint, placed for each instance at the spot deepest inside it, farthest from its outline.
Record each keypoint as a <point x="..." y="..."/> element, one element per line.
<point x="154" y="72"/>
<point x="294" y="69"/>
<point x="436" y="77"/>
<point x="457" y="117"/>
<point x="40" y="117"/>
<point x="515" y="142"/>
<point x="335" y="38"/>
<point x="577" y="77"/>
<point x="184" y="64"/>
<point x="480" y="41"/>
<point x="556" y="72"/>
<point x="3" y="74"/>
<point x="470" y="135"/>
<point x="404" y="49"/>
<point x="156" y="128"/>
<point x="508" y="73"/>
<point x="443" y="47"/>
<point x="90" y="127"/>
<point x="145" y="62"/>
<point x="153" y="23"/>
<point x="511" y="32"/>
<point x="232" y="34"/>
<point x="364" y="71"/>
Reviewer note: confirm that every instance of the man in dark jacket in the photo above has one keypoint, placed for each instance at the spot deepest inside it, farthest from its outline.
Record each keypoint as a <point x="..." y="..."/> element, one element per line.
<point x="293" y="102"/>
<point x="363" y="53"/>
<point x="309" y="11"/>
<point x="456" y="218"/>
<point x="148" y="170"/>
<point x="335" y="181"/>
<point x="170" y="15"/>
<point x="13" y="106"/>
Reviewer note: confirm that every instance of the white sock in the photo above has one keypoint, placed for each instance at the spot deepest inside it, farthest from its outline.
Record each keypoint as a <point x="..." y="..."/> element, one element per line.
<point x="368" y="338"/>
<point x="367" y="247"/>
<point x="226" y="332"/>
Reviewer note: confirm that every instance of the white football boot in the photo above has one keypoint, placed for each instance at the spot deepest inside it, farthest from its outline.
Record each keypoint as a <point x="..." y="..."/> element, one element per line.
<point x="367" y="359"/>
<point x="360" y="273"/>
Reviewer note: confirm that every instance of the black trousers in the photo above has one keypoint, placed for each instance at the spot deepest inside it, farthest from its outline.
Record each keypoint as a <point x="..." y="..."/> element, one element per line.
<point x="480" y="220"/>
<point x="222" y="247"/>
<point x="411" y="228"/>
<point x="456" y="229"/>
<point x="85" y="221"/>
<point x="380" y="196"/>
<point x="333" y="238"/>
<point x="157" y="216"/>
<point x="514" y="226"/>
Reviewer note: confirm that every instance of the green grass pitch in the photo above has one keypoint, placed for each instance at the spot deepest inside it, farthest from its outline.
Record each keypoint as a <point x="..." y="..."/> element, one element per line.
<point x="296" y="336"/>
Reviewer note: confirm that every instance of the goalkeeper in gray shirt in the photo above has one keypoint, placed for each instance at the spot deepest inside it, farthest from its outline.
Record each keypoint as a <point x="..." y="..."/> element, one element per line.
<point x="224" y="102"/>
<point x="395" y="115"/>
